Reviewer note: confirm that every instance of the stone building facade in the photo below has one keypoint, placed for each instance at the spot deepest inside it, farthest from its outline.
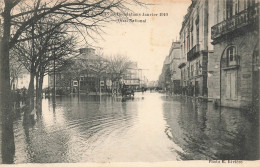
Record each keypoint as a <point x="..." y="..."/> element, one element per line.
<point x="165" y="76"/>
<point x="175" y="59"/>
<point x="184" y="78"/>
<point x="234" y="67"/>
<point x="196" y="46"/>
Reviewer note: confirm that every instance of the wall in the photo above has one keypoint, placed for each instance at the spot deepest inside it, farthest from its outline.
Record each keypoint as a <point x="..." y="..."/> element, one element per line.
<point x="245" y="45"/>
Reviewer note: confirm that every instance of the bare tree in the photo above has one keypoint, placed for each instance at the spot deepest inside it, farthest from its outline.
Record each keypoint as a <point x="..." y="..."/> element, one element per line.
<point x="49" y="50"/>
<point x="83" y="15"/>
<point x="118" y="64"/>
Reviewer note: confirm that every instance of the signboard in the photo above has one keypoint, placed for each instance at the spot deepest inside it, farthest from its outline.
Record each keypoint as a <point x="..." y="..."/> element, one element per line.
<point x="102" y="83"/>
<point x="75" y="83"/>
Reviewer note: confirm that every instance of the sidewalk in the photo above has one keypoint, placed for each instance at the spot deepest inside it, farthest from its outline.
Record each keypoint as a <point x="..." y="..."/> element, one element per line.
<point x="200" y="98"/>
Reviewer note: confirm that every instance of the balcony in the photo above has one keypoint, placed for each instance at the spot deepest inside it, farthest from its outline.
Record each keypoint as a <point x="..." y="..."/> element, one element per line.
<point x="239" y="20"/>
<point x="193" y="52"/>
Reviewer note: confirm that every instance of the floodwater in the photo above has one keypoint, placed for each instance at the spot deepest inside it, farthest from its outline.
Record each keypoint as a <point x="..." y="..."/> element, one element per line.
<point x="150" y="127"/>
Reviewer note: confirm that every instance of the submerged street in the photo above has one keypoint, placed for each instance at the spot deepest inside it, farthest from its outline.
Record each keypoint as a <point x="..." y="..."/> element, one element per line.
<point x="149" y="127"/>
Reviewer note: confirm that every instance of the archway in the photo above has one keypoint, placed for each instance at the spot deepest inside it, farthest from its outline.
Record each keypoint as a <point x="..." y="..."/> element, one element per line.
<point x="229" y="64"/>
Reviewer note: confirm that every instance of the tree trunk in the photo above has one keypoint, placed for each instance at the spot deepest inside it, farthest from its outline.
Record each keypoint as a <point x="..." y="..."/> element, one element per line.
<point x="40" y="85"/>
<point x="37" y="86"/>
<point x="78" y="86"/>
<point x="31" y="90"/>
<point x="39" y="94"/>
<point x="30" y="99"/>
<point x="8" y="146"/>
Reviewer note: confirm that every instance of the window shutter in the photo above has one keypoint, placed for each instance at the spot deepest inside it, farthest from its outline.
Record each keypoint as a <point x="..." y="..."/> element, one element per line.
<point x="228" y="86"/>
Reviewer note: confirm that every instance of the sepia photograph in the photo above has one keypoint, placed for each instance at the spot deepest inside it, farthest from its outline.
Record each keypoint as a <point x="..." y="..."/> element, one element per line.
<point x="129" y="83"/>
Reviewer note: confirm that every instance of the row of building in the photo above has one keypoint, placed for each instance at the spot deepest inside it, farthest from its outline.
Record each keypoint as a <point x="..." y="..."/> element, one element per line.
<point x="94" y="77"/>
<point x="217" y="54"/>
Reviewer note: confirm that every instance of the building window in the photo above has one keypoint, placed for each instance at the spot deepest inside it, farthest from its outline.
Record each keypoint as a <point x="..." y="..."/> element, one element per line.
<point x="192" y="69"/>
<point x="229" y="8"/>
<point x="197" y="68"/>
<point x="250" y="3"/>
<point x="197" y="34"/>
<point x="183" y="74"/>
<point x="188" y="71"/>
<point x="232" y="58"/>
<point x="188" y="42"/>
<point x="191" y="39"/>
<point x="236" y="6"/>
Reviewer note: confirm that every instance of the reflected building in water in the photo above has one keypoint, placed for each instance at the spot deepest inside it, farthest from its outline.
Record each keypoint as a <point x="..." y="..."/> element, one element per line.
<point x="206" y="133"/>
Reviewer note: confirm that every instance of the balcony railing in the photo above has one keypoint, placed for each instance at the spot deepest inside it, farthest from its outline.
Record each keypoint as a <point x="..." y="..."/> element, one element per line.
<point x="239" y="20"/>
<point x="193" y="52"/>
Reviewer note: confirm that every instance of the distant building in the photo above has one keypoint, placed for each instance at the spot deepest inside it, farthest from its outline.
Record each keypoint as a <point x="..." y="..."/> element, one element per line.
<point x="234" y="67"/>
<point x="131" y="77"/>
<point x="196" y="47"/>
<point x="89" y="78"/>
<point x="165" y="76"/>
<point x="184" y="78"/>
<point x="23" y="80"/>
<point x="152" y="84"/>
<point x="93" y="75"/>
<point x="175" y="59"/>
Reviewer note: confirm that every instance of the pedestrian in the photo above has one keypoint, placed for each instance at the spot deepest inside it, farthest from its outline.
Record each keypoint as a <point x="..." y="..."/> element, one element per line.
<point x="16" y="99"/>
<point x="19" y="98"/>
<point x="114" y="92"/>
<point x="13" y="98"/>
<point x="132" y="92"/>
<point x="142" y="89"/>
<point x="23" y="96"/>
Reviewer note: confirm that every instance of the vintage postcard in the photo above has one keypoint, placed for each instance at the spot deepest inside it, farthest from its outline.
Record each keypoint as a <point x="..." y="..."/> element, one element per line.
<point x="129" y="82"/>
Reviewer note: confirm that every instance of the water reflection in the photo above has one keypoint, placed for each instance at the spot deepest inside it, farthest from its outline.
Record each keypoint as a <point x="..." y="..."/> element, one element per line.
<point x="148" y="127"/>
<point x="205" y="133"/>
<point x="70" y="129"/>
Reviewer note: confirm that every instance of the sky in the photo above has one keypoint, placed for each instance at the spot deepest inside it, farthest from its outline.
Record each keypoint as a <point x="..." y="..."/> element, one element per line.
<point x="148" y="42"/>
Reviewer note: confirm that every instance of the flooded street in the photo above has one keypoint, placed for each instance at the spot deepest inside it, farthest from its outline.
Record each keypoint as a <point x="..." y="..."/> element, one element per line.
<point x="150" y="127"/>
